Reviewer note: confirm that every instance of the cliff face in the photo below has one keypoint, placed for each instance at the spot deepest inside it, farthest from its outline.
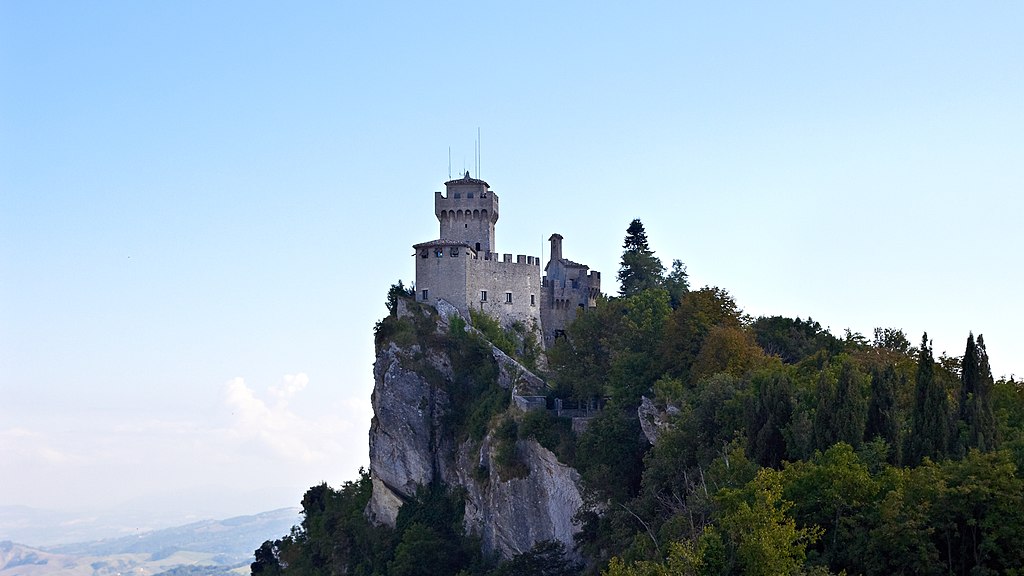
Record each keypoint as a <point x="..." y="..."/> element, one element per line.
<point x="411" y="445"/>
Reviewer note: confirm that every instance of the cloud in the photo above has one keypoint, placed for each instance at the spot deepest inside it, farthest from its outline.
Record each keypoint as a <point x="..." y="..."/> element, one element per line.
<point x="277" y="428"/>
<point x="23" y="447"/>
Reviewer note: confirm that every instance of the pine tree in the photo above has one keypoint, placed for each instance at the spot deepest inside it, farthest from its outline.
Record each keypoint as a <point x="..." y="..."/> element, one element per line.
<point x="640" y="269"/>
<point x="928" y="431"/>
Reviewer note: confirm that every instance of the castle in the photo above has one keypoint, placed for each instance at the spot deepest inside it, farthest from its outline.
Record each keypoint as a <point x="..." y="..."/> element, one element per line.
<point x="463" y="267"/>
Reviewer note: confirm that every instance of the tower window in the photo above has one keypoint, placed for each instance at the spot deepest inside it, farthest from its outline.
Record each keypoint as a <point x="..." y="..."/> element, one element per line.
<point x="455" y="251"/>
<point x="426" y="294"/>
<point x="533" y="300"/>
<point x="439" y="252"/>
<point x="477" y="246"/>
<point x="483" y="295"/>
<point x="458" y="195"/>
<point x="508" y="297"/>
<point x="469" y="194"/>
<point x="424" y="253"/>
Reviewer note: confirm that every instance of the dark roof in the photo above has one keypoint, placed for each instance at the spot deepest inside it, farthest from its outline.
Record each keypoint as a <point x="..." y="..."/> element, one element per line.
<point x="570" y="264"/>
<point x="441" y="242"/>
<point x="466" y="180"/>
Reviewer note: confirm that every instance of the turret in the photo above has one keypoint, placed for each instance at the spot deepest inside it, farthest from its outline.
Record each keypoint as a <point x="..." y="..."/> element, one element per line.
<point x="556" y="247"/>
<point x="467" y="212"/>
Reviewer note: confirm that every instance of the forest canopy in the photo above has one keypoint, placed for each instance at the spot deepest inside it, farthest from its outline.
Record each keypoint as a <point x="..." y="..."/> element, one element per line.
<point x="781" y="448"/>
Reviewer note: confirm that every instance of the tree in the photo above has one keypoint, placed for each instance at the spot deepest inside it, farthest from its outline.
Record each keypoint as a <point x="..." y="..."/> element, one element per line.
<point x="689" y="326"/>
<point x="640" y="270"/>
<point x="850" y="405"/>
<point x="770" y="413"/>
<point x="677" y="282"/>
<point x="930" y="416"/>
<point x="882" y="422"/>
<point x="394" y="293"/>
<point x="760" y="531"/>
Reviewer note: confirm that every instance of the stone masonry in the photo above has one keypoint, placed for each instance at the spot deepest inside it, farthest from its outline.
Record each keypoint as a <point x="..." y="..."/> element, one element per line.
<point x="462" y="267"/>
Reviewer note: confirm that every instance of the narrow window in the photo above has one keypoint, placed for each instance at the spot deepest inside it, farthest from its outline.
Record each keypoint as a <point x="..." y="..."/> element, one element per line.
<point x="426" y="295"/>
<point x="483" y="295"/>
<point x="533" y="300"/>
<point x="477" y="246"/>
<point x="508" y="297"/>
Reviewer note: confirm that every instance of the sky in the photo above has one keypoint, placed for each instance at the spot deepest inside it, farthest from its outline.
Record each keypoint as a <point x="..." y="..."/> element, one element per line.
<point x="202" y="205"/>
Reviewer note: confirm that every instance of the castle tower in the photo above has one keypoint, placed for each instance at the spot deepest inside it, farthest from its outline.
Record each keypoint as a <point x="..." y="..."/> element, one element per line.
<point x="467" y="212"/>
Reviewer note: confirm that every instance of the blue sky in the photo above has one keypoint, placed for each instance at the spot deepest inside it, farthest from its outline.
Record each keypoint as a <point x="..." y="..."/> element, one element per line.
<point x="202" y="204"/>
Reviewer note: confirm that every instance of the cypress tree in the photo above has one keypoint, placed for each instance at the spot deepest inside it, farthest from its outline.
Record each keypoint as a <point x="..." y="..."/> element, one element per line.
<point x="824" y="427"/>
<point x="851" y="407"/>
<point x="968" y="394"/>
<point x="882" y="408"/>
<point x="984" y="429"/>
<point x="929" y="419"/>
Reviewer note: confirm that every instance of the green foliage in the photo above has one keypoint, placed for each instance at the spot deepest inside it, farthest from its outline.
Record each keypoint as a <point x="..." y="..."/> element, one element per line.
<point x="640" y="269"/>
<point x="791" y="339"/>
<point x="510" y="465"/>
<point x="676" y="283"/>
<point x="771" y="410"/>
<point x="493" y="331"/>
<point x="882" y="419"/>
<point x="474" y="394"/>
<point x="760" y="534"/>
<point x="689" y="325"/>
<point x="547" y="558"/>
<point x="929" y="432"/>
<point x="334" y="536"/>
<point x="397" y="291"/>
<point x="977" y="418"/>
<point x="551" y="432"/>
<point x="610" y="452"/>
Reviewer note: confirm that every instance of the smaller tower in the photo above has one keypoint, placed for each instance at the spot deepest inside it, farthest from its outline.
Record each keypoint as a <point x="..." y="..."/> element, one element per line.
<point x="467" y="212"/>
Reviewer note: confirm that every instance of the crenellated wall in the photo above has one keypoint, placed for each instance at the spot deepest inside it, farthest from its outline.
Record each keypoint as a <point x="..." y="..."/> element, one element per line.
<point x="505" y="287"/>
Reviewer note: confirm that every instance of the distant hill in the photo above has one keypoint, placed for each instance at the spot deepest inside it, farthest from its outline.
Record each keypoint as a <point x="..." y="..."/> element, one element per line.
<point x="205" y="548"/>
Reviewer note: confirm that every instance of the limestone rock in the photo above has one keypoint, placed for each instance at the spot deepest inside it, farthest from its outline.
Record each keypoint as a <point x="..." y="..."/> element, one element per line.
<point x="510" y="516"/>
<point x="406" y="409"/>
<point x="410" y="447"/>
<point x="652" y="420"/>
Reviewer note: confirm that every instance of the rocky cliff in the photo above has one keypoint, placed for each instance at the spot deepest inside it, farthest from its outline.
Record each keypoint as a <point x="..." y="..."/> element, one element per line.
<point x="414" y="441"/>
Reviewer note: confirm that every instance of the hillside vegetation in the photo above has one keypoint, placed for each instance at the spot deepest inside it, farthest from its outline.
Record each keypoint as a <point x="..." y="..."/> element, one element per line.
<point x="780" y="449"/>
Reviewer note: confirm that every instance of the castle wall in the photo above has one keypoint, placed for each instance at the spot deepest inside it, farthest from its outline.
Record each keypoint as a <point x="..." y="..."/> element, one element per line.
<point x="461" y="278"/>
<point x="444" y="276"/>
<point x="501" y="278"/>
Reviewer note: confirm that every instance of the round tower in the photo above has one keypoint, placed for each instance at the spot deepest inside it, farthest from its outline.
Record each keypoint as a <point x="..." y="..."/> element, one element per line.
<point x="467" y="212"/>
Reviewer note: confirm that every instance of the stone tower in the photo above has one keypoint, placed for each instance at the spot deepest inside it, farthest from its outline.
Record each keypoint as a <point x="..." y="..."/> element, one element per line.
<point x="467" y="213"/>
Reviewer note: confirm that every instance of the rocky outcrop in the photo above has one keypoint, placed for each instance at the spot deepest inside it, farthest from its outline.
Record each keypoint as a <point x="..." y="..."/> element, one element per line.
<point x="512" y="515"/>
<point x="411" y="447"/>
<point x="403" y="444"/>
<point x="653" y="420"/>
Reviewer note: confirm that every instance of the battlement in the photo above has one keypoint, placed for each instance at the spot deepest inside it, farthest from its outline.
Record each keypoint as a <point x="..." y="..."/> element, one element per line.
<point x="507" y="258"/>
<point x="463" y="268"/>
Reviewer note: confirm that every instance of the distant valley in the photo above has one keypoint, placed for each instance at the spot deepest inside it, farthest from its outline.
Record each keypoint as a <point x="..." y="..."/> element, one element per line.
<point x="203" y="548"/>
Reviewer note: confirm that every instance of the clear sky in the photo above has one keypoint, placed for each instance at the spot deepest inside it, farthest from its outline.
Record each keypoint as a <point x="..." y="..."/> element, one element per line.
<point x="202" y="204"/>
